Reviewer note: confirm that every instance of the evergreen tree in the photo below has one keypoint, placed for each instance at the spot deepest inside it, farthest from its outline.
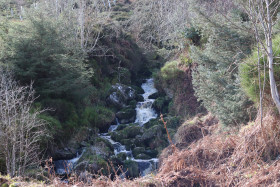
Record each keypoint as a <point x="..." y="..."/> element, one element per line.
<point x="216" y="77"/>
<point x="36" y="53"/>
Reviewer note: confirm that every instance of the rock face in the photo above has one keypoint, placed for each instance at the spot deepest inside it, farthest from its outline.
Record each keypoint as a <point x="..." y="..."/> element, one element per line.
<point x="121" y="95"/>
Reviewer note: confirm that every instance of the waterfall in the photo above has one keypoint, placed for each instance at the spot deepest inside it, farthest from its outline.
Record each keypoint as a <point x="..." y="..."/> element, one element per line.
<point x="144" y="113"/>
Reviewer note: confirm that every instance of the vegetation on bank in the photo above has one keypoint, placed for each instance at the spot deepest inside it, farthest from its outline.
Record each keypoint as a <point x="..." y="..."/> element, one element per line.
<point x="205" y="65"/>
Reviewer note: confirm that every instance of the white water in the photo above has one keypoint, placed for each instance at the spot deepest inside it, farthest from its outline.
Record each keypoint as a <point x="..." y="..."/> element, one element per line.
<point x="66" y="166"/>
<point x="144" y="110"/>
<point x="144" y="113"/>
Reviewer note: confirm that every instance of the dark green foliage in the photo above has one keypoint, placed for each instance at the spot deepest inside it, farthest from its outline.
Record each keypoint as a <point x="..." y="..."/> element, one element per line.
<point x="98" y="116"/>
<point x="37" y="53"/>
<point x="131" y="169"/>
<point x="249" y="73"/>
<point x="192" y="34"/>
<point x="216" y="77"/>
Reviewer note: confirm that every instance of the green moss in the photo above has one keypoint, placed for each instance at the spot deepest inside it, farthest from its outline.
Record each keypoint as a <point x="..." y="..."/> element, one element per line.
<point x="131" y="169"/>
<point x="97" y="116"/>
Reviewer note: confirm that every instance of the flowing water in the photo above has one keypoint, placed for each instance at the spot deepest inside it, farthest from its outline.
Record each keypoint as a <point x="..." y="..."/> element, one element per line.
<point x="144" y="113"/>
<point x="63" y="167"/>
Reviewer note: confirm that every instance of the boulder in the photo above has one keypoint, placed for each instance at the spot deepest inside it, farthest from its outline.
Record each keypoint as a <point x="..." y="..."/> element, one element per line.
<point x="143" y="156"/>
<point x="129" y="143"/>
<point x="129" y="132"/>
<point x="151" y="153"/>
<point x="154" y="95"/>
<point x="126" y="115"/>
<point x="138" y="150"/>
<point x="161" y="105"/>
<point x="151" y="133"/>
<point x="120" y="95"/>
<point x="63" y="154"/>
<point x="139" y="98"/>
<point x="131" y="169"/>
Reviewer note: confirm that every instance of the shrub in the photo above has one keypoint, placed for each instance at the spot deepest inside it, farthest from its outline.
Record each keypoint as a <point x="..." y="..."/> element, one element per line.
<point x="249" y="73"/>
<point x="97" y="116"/>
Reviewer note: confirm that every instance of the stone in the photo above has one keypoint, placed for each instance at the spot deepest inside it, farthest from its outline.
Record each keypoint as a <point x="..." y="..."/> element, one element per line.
<point x="138" y="150"/>
<point x="63" y="154"/>
<point x="126" y="115"/>
<point x="121" y="95"/>
<point x="131" y="169"/>
<point x="143" y="156"/>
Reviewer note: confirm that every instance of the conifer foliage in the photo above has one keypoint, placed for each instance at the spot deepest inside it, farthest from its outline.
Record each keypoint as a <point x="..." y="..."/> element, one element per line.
<point x="216" y="78"/>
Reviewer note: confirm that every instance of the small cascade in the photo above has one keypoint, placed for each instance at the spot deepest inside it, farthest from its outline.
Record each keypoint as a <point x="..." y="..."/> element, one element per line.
<point x="144" y="110"/>
<point x="63" y="167"/>
<point x="144" y="113"/>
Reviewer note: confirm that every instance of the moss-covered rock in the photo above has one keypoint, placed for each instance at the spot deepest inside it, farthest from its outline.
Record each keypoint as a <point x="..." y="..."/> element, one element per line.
<point x="121" y="156"/>
<point x="138" y="150"/>
<point x="161" y="104"/>
<point x="152" y="123"/>
<point x="143" y="156"/>
<point x="126" y="115"/>
<point x="94" y="159"/>
<point x="154" y="95"/>
<point x="129" y="143"/>
<point x="120" y="95"/>
<point x="121" y="127"/>
<point x="151" y="133"/>
<point x="131" y="169"/>
<point x="152" y="153"/>
<point x="129" y="132"/>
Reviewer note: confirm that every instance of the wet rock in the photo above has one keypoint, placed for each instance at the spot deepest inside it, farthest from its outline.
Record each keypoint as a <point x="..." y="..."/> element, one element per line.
<point x="143" y="156"/>
<point x="154" y="95"/>
<point x="139" y="98"/>
<point x="63" y="154"/>
<point x="129" y="132"/>
<point x="121" y="95"/>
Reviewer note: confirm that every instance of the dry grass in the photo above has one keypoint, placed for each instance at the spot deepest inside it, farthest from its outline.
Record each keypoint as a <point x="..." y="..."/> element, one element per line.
<point x="247" y="158"/>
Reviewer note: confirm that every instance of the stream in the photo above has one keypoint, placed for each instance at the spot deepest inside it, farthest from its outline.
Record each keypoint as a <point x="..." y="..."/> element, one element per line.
<point x="144" y="113"/>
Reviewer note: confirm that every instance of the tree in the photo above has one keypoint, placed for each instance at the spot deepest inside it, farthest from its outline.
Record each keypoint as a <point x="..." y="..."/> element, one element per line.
<point x="263" y="15"/>
<point x="215" y="78"/>
<point x="37" y="52"/>
<point x="20" y="128"/>
<point x="159" y="22"/>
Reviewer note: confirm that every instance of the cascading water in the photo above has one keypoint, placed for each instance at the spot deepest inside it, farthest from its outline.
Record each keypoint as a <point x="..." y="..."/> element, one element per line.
<point x="63" y="167"/>
<point x="144" y="113"/>
<point x="144" y="110"/>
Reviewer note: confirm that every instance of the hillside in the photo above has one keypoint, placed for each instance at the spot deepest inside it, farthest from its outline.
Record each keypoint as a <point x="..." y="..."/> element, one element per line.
<point x="139" y="93"/>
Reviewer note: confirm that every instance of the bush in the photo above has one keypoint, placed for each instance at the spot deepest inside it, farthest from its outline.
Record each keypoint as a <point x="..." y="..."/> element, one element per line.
<point x="249" y="73"/>
<point x="98" y="116"/>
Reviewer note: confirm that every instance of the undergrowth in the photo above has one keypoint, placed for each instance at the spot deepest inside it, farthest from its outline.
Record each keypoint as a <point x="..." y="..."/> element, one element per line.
<point x="249" y="157"/>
